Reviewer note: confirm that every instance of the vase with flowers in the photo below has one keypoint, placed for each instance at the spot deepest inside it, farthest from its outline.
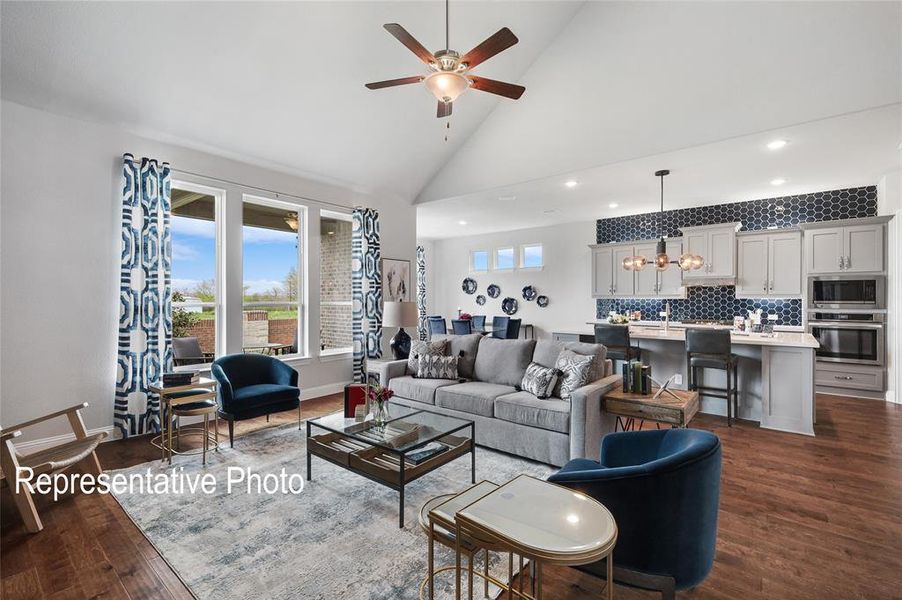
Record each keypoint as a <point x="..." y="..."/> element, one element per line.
<point x="465" y="316"/>
<point x="379" y="397"/>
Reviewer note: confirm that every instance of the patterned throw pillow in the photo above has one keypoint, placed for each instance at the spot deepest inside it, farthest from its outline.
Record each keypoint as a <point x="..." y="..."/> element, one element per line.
<point x="539" y="381"/>
<point x="432" y="366"/>
<point x="575" y="368"/>
<point x="419" y="348"/>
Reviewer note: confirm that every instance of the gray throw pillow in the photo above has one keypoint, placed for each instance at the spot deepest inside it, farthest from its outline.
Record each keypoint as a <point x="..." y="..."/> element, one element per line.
<point x="432" y="366"/>
<point x="539" y="381"/>
<point x="420" y="348"/>
<point x="576" y="369"/>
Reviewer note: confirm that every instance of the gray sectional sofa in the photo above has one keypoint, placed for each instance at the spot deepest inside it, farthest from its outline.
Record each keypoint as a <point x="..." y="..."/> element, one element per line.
<point x="549" y="430"/>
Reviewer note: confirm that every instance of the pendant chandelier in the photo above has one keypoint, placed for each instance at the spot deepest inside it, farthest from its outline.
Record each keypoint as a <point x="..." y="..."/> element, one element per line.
<point x="686" y="262"/>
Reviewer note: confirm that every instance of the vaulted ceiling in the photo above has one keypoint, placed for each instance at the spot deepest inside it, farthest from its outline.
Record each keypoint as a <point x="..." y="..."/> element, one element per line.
<point x="608" y="83"/>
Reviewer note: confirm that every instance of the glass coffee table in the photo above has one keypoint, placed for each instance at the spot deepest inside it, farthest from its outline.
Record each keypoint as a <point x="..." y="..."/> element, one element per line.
<point x="409" y="445"/>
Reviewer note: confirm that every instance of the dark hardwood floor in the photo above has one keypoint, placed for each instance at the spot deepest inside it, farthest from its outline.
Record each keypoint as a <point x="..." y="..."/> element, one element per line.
<point x="799" y="518"/>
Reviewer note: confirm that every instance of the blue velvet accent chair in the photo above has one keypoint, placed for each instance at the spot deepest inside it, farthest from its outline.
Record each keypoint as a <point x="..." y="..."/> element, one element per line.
<point x="663" y="489"/>
<point x="253" y="385"/>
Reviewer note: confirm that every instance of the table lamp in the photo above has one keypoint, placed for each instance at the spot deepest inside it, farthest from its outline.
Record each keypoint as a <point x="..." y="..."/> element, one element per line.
<point x="400" y="314"/>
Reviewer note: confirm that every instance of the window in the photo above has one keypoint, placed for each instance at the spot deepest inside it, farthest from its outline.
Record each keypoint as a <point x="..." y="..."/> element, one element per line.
<point x="335" y="283"/>
<point x="531" y="256"/>
<point x="479" y="261"/>
<point x="195" y="263"/>
<point x="504" y="258"/>
<point x="273" y="308"/>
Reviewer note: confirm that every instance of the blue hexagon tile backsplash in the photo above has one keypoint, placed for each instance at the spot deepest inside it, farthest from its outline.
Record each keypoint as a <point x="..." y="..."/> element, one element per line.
<point x="720" y="302"/>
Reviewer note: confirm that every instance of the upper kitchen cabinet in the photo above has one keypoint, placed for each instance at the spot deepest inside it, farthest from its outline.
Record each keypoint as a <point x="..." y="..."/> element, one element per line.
<point x="716" y="244"/>
<point x="850" y="246"/>
<point x="611" y="280"/>
<point x="769" y="264"/>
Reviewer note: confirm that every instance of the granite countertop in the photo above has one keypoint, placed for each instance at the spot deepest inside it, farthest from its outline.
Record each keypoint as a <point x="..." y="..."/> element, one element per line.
<point x="784" y="336"/>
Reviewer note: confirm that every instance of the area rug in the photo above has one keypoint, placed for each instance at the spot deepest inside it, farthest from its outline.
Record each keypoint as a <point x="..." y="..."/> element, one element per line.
<point x="338" y="538"/>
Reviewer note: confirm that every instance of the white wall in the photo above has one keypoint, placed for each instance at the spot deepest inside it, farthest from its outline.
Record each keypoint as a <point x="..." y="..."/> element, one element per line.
<point x="889" y="202"/>
<point x="564" y="279"/>
<point x="60" y="242"/>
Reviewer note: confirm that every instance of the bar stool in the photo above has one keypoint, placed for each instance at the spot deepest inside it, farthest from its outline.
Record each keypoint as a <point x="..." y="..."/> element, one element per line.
<point x="616" y="338"/>
<point x="712" y="349"/>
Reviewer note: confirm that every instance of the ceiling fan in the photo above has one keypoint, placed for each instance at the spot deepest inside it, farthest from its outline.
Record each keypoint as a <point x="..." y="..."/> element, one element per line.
<point x="450" y="72"/>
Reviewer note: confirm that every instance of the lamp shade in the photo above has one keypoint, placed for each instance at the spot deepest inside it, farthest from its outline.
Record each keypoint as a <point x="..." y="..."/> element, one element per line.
<point x="399" y="314"/>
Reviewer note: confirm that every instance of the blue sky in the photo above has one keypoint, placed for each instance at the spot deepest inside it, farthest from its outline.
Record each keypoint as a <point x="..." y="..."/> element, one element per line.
<point x="268" y="255"/>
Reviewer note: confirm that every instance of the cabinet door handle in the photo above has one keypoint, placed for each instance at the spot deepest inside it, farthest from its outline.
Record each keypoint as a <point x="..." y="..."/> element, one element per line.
<point x="843" y="377"/>
<point x="848" y="262"/>
<point x="765" y="285"/>
<point x="842" y="262"/>
<point x="771" y="285"/>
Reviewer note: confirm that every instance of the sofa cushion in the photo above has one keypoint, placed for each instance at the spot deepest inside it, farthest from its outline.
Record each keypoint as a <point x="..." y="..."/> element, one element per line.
<point x="503" y="361"/>
<point x="468" y="344"/>
<point x="418" y="347"/>
<point x="539" y="381"/>
<point x="552" y="414"/>
<point x="475" y="397"/>
<point x="262" y="394"/>
<point x="421" y="390"/>
<point x="599" y="351"/>
<point x="437" y="367"/>
<point x="576" y="368"/>
<point x="546" y="353"/>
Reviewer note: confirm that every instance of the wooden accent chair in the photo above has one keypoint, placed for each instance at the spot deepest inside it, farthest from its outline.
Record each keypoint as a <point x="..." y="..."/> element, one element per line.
<point x="50" y="460"/>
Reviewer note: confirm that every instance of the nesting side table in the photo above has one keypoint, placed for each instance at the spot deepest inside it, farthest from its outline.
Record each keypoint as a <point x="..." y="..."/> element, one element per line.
<point x="196" y="399"/>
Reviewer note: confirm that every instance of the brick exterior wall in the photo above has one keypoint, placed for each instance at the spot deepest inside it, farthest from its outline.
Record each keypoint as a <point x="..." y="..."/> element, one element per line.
<point x="335" y="285"/>
<point x="281" y="331"/>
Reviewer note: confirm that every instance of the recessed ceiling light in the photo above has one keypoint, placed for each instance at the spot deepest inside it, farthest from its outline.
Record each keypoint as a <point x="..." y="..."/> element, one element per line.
<point x="613" y="205"/>
<point x="571" y="183"/>
<point x="776" y="144"/>
<point x="461" y="222"/>
<point x="777" y="181"/>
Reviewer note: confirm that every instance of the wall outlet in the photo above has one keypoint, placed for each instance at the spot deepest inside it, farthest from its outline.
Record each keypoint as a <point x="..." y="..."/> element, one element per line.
<point x="678" y="379"/>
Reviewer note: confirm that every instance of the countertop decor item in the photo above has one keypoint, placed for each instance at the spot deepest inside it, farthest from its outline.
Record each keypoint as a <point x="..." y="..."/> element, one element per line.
<point x="662" y="261"/>
<point x="529" y="293"/>
<point x="542" y="301"/>
<point x="401" y="315"/>
<point x="493" y="291"/>
<point x="469" y="285"/>
<point x="618" y="319"/>
<point x="480" y="299"/>
<point x="509" y="306"/>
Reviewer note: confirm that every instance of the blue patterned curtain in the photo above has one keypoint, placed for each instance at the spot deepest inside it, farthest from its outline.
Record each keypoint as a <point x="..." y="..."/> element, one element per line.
<point x="145" y="295"/>
<point x="421" y="293"/>
<point x="366" y="289"/>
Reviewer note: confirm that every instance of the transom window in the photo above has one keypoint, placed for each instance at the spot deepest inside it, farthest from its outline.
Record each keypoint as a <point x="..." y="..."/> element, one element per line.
<point x="479" y="261"/>
<point x="532" y="256"/>
<point x="504" y="258"/>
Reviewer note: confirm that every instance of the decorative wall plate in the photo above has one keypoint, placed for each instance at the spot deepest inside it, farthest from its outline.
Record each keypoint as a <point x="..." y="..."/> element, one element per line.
<point x="493" y="291"/>
<point x="469" y="285"/>
<point x="509" y="306"/>
<point x="480" y="299"/>
<point x="542" y="301"/>
<point x="529" y="293"/>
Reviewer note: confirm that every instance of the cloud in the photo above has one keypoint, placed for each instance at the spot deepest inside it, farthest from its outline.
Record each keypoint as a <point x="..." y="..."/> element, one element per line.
<point x="261" y="286"/>
<point x="181" y="251"/>
<point x="193" y="227"/>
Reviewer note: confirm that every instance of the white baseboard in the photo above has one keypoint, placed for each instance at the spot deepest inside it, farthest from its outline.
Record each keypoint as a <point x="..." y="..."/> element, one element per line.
<point x="54" y="440"/>
<point x="323" y="390"/>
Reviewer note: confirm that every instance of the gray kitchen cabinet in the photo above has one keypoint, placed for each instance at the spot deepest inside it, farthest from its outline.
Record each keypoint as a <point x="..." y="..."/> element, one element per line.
<point x="602" y="271"/>
<point x="670" y="282"/>
<point x="851" y="246"/>
<point x="769" y="265"/>
<point x="716" y="244"/>
<point x="647" y="278"/>
<point x="624" y="282"/>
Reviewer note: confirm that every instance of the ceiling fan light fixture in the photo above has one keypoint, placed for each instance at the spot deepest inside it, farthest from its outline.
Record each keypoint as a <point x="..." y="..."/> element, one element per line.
<point x="292" y="221"/>
<point x="446" y="86"/>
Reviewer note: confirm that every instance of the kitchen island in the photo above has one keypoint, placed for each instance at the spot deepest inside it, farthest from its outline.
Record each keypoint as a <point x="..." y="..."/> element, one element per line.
<point x="775" y="373"/>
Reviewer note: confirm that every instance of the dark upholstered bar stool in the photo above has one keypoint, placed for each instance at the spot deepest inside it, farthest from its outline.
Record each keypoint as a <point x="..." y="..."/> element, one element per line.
<point x="616" y="338"/>
<point x="712" y="349"/>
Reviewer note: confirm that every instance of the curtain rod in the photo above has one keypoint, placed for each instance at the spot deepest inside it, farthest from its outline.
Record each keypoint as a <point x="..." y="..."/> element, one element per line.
<point x="260" y="189"/>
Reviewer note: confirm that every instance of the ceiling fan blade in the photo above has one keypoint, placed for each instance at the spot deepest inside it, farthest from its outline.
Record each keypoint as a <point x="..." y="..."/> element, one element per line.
<point x="508" y="90"/>
<point x="393" y="82"/>
<point x="500" y="41"/>
<point x="444" y="110"/>
<point x="412" y="44"/>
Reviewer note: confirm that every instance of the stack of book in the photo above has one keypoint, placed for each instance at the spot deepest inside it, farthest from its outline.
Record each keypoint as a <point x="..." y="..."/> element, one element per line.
<point x="179" y="379"/>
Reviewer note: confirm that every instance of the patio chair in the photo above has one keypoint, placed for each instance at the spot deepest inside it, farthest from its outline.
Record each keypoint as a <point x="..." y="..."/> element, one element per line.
<point x="51" y="460"/>
<point x="186" y="351"/>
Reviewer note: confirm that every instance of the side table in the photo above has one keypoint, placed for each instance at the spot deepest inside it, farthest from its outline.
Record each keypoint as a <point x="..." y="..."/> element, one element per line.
<point x="196" y="399"/>
<point x="673" y="407"/>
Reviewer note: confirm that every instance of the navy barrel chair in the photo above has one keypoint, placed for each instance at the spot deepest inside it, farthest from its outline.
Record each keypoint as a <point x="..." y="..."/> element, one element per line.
<point x="663" y="489"/>
<point x="253" y="385"/>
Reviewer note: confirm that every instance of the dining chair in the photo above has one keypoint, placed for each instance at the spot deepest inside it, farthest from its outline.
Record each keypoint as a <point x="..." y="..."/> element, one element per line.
<point x="478" y="322"/>
<point x="437" y="325"/>
<point x="461" y="326"/>
<point x="499" y="327"/>
<point x="513" y="329"/>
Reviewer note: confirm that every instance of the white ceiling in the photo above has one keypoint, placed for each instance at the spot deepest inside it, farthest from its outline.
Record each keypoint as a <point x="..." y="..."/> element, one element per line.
<point x="830" y="154"/>
<point x="279" y="84"/>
